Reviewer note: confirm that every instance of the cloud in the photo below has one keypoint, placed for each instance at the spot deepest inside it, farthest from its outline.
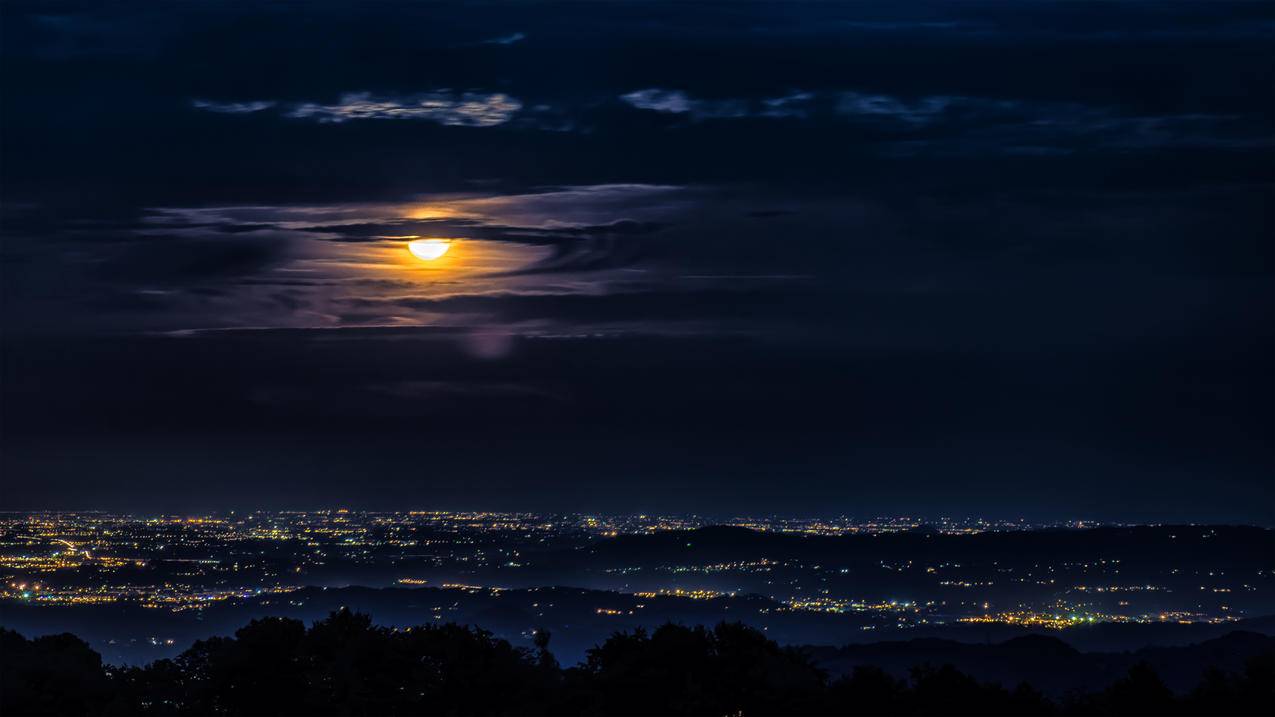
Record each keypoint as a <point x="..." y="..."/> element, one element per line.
<point x="868" y="105"/>
<point x="469" y="109"/>
<point x="793" y="105"/>
<point x="575" y="210"/>
<point x="506" y="39"/>
<point x="801" y="104"/>
<point x="796" y="104"/>
<point x="586" y="248"/>
<point x="660" y="100"/>
<point x="236" y="108"/>
<point x="654" y="308"/>
<point x="678" y="102"/>
<point x="950" y="125"/>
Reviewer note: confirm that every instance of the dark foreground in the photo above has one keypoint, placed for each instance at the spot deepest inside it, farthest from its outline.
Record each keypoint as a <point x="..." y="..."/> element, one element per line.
<point x="345" y="665"/>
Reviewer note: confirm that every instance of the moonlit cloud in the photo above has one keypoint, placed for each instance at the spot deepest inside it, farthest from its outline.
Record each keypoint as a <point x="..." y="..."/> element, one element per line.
<point x="870" y="105"/>
<point x="506" y="39"/>
<point x="793" y="105"/>
<point x="343" y="265"/>
<point x="469" y="109"/>
<point x="798" y="104"/>
<point x="678" y="102"/>
<point x="959" y="125"/>
<point x="845" y="105"/>
<point x="236" y="108"/>
<point x="941" y="124"/>
<point x="659" y="100"/>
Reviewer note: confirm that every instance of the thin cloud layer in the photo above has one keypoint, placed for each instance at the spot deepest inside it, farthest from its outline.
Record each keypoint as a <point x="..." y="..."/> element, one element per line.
<point x="235" y="108"/>
<point x="460" y="109"/>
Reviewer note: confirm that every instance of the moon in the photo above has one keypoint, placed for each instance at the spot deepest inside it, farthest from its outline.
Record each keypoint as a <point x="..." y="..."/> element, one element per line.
<point x="428" y="249"/>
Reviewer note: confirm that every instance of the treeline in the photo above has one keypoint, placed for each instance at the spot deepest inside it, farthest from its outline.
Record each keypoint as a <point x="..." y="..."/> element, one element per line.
<point x="345" y="665"/>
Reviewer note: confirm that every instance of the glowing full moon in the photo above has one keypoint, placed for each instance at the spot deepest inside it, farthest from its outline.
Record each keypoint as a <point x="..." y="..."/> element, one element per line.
<point x="428" y="249"/>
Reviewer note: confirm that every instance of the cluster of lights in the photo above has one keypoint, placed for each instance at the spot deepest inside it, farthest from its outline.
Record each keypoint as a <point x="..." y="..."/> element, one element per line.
<point x="188" y="562"/>
<point x="684" y="593"/>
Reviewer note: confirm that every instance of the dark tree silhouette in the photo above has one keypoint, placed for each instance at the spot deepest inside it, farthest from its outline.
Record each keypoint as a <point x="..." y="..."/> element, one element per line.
<point x="50" y="675"/>
<point x="1139" y="693"/>
<point x="946" y="690"/>
<point x="678" y="670"/>
<point x="1249" y="693"/>
<point x="544" y="658"/>
<point x="868" y="690"/>
<point x="345" y="665"/>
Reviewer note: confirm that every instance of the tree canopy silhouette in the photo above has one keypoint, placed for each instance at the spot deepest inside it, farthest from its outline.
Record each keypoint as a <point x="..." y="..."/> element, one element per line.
<point x="346" y="665"/>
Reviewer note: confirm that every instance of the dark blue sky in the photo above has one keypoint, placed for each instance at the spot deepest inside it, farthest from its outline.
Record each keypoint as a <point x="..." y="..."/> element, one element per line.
<point x="947" y="258"/>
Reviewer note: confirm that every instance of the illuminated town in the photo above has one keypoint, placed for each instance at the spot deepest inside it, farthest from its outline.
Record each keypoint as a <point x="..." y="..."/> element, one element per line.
<point x="779" y="573"/>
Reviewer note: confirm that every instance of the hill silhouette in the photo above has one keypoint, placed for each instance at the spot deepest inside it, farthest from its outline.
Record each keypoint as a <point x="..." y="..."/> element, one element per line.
<point x="347" y="665"/>
<point x="1049" y="664"/>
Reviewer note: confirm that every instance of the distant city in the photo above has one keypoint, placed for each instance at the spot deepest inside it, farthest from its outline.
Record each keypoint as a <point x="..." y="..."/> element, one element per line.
<point x="168" y="579"/>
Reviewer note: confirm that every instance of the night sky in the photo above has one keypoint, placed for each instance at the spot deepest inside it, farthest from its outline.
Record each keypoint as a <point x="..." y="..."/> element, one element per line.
<point x="999" y="259"/>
